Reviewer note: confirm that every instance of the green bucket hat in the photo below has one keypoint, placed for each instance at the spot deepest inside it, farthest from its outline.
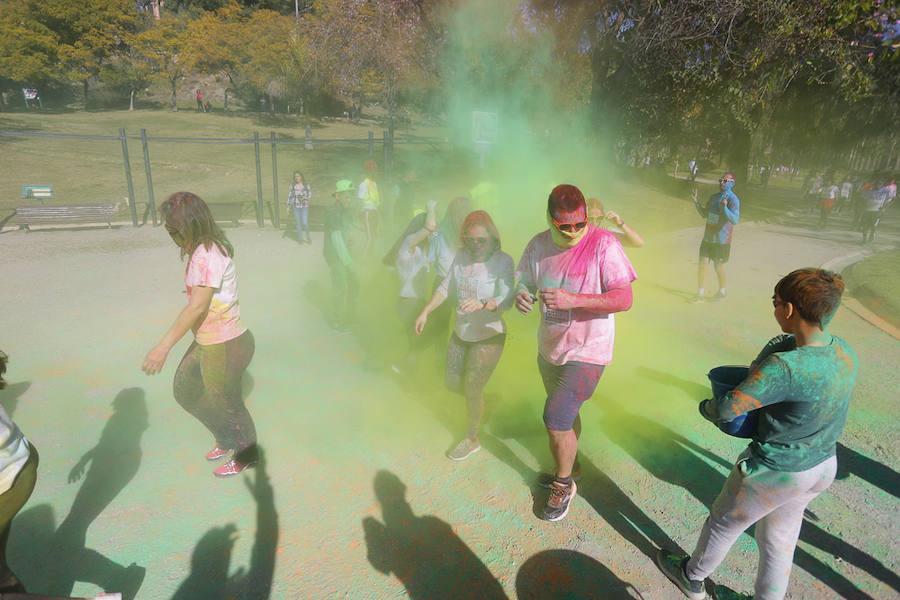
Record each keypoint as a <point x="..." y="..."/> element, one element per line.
<point x="344" y="185"/>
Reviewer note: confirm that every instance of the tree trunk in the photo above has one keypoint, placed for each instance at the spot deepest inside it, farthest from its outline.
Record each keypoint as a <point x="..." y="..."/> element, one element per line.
<point x="737" y="156"/>
<point x="173" y="100"/>
<point x="131" y="100"/>
<point x="84" y="86"/>
<point x="225" y="107"/>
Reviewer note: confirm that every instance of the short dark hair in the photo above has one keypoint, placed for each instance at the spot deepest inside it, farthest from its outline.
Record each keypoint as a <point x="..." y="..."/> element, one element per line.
<point x="814" y="293"/>
<point x="566" y="198"/>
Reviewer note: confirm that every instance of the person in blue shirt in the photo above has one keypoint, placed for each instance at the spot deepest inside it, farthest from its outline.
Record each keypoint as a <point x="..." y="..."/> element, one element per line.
<point x="721" y="212"/>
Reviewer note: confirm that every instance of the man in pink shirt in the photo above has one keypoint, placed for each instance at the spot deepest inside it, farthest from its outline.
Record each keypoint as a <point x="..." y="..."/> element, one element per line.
<point x="581" y="276"/>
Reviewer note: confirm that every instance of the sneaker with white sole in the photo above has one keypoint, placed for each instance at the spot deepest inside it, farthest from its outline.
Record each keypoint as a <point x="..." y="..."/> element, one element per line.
<point x="216" y="454"/>
<point x="672" y="565"/>
<point x="464" y="449"/>
<point x="232" y="467"/>
<point x="558" y="501"/>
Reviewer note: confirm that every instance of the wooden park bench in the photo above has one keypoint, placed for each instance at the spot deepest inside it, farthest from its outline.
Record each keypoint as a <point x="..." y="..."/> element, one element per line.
<point x="37" y="192"/>
<point x="226" y="211"/>
<point x="26" y="216"/>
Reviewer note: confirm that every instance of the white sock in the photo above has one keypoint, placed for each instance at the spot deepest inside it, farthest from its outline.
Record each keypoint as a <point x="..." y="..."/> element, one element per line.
<point x="721" y="291"/>
<point x="699" y="291"/>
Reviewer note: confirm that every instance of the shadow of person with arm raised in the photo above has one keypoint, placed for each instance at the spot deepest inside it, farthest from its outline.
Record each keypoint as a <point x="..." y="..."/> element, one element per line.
<point x="111" y="465"/>
<point x="423" y="552"/>
<point x="211" y="558"/>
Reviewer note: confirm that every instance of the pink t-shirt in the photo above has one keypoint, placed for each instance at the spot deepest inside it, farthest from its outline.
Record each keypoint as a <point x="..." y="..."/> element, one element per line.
<point x="595" y="266"/>
<point x="212" y="268"/>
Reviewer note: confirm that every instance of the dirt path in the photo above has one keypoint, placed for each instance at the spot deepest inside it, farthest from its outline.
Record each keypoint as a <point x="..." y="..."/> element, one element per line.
<point x="362" y="502"/>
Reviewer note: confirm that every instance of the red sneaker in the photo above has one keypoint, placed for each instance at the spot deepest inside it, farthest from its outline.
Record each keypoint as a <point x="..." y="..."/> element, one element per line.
<point x="216" y="453"/>
<point x="232" y="467"/>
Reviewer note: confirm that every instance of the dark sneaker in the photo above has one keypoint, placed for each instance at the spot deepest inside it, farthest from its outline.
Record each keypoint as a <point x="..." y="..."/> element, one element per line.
<point x="232" y="467"/>
<point x="726" y="593"/>
<point x="545" y="480"/>
<point x="558" y="502"/>
<point x="672" y="565"/>
<point x="464" y="449"/>
<point x="216" y="454"/>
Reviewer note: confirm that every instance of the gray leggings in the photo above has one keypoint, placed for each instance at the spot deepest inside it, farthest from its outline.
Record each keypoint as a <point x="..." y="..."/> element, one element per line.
<point x="775" y="501"/>
<point x="469" y="366"/>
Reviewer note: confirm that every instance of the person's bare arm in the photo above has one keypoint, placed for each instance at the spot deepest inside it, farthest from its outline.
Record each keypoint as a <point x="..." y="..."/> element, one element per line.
<point x="419" y="236"/>
<point x="193" y="313"/>
<point x="436" y="300"/>
<point x="631" y="236"/>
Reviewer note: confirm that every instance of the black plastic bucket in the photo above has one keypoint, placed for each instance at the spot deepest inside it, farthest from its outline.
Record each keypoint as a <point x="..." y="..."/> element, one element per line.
<point x="724" y="379"/>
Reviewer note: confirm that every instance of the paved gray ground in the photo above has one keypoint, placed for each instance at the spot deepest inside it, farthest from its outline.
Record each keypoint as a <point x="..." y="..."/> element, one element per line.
<point x="80" y="309"/>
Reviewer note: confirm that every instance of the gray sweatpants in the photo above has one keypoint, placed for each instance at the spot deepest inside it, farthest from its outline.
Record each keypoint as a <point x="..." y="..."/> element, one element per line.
<point x="775" y="501"/>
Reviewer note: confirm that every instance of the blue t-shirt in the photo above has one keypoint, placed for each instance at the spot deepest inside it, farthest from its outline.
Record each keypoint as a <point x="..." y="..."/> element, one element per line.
<point x="720" y="220"/>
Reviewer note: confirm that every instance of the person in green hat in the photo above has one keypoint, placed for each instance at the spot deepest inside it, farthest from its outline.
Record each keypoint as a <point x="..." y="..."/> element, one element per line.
<point x="345" y="284"/>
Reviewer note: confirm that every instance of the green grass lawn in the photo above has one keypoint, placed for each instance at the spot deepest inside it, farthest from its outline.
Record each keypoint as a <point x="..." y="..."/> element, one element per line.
<point x="881" y="290"/>
<point x="92" y="172"/>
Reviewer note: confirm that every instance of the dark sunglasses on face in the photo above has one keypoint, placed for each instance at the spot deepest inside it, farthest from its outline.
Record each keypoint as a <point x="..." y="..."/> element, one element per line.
<point x="570" y="227"/>
<point x="726" y="180"/>
<point x="479" y="241"/>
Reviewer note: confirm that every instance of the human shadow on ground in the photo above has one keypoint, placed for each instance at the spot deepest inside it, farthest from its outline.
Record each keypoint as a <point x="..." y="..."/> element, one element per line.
<point x="211" y="559"/>
<point x="56" y="560"/>
<point x="9" y="397"/>
<point x="422" y="551"/>
<point x="851" y="462"/>
<point x="674" y="459"/>
<point x="685" y="295"/>
<point x="693" y="389"/>
<point x="612" y="504"/>
<point x="571" y="575"/>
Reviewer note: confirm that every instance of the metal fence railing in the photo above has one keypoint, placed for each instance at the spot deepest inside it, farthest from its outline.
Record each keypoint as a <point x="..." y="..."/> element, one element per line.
<point x="308" y="142"/>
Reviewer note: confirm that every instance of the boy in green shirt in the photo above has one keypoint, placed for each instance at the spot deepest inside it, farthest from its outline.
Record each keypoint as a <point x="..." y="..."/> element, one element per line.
<point x="801" y="384"/>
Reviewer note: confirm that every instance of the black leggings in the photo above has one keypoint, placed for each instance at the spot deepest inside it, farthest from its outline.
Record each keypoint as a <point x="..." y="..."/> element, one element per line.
<point x="469" y="366"/>
<point x="208" y="385"/>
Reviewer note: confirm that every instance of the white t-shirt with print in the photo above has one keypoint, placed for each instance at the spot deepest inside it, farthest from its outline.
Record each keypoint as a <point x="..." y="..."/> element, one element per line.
<point x="492" y="279"/>
<point x="212" y="268"/>
<point x="596" y="265"/>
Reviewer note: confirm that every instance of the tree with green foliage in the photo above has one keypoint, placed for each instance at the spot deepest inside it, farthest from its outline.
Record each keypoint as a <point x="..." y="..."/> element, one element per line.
<point x="249" y="49"/>
<point x="28" y="47"/>
<point x="165" y="49"/>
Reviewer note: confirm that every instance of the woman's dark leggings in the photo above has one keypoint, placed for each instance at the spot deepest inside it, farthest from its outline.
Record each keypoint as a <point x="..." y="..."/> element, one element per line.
<point x="208" y="385"/>
<point x="469" y="366"/>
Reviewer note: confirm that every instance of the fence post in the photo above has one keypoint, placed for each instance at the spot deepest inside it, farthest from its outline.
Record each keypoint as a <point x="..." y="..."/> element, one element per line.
<point x="128" y="176"/>
<point x="308" y="145"/>
<point x="387" y="154"/>
<point x="371" y="143"/>
<point x="151" y="201"/>
<point x="275" y="210"/>
<point x="259" y="200"/>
